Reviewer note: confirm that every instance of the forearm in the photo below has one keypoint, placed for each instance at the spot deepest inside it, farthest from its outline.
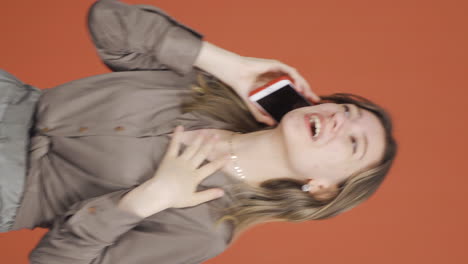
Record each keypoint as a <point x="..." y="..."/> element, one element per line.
<point x="218" y="62"/>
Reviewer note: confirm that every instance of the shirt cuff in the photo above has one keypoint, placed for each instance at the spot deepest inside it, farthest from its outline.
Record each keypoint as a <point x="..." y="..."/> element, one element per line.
<point x="100" y="218"/>
<point x="179" y="49"/>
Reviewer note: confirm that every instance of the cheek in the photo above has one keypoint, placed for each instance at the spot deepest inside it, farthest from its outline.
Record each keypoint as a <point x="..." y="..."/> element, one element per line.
<point x="329" y="156"/>
<point x="330" y="159"/>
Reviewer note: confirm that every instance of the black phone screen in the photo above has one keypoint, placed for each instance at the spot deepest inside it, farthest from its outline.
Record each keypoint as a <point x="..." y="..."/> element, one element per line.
<point x="281" y="101"/>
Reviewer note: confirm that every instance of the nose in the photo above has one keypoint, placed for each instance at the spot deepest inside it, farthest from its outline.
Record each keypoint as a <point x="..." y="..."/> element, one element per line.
<point x="338" y="119"/>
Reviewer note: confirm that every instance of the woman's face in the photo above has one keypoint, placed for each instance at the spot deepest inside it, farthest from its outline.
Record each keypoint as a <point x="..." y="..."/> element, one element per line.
<point x="350" y="139"/>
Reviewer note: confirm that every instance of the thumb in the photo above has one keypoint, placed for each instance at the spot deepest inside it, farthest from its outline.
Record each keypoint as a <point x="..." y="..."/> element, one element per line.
<point x="266" y="120"/>
<point x="207" y="195"/>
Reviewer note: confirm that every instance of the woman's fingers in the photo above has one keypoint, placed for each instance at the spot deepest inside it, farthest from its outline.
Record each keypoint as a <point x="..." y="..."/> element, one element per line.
<point x="306" y="90"/>
<point x="181" y="173"/>
<point x="174" y="144"/>
<point x="259" y="115"/>
<point x="211" y="167"/>
<point x="197" y="152"/>
<point x="203" y="152"/>
<point x="191" y="150"/>
<point x="207" y="195"/>
<point x="301" y="84"/>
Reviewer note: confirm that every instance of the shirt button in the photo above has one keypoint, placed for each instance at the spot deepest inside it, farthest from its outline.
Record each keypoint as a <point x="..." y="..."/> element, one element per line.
<point x="45" y="129"/>
<point x="92" y="210"/>
<point x="119" y="128"/>
<point x="83" y="129"/>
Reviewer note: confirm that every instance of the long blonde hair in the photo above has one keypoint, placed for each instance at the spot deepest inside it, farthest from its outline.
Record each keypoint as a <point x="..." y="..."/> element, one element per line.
<point x="283" y="199"/>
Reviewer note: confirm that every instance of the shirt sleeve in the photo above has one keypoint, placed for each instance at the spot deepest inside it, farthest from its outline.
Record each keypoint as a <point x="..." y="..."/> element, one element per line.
<point x="141" y="37"/>
<point x="81" y="234"/>
<point x="96" y="231"/>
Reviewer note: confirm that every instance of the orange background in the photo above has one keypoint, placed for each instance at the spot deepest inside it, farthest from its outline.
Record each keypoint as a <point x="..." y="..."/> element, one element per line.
<point x="409" y="56"/>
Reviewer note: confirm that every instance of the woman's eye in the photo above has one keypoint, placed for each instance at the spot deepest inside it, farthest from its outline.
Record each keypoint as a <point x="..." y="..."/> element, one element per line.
<point x="354" y="144"/>
<point x="346" y="109"/>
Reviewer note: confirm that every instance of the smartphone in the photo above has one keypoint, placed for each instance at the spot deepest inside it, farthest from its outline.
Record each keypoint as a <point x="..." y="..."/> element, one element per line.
<point x="278" y="97"/>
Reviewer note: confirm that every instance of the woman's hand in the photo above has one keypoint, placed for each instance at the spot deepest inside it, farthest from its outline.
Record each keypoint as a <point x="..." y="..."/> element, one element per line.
<point x="244" y="74"/>
<point x="175" y="182"/>
<point x="255" y="72"/>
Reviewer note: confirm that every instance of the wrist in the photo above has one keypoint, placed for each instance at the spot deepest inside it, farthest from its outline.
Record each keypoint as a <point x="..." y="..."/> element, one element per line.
<point x="219" y="62"/>
<point x="124" y="205"/>
<point x="144" y="200"/>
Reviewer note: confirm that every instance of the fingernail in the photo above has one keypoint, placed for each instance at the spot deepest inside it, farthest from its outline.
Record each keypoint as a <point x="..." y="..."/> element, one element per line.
<point x="220" y="193"/>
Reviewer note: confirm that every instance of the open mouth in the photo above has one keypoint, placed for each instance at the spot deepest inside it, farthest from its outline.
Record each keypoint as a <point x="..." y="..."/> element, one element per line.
<point x="315" y="125"/>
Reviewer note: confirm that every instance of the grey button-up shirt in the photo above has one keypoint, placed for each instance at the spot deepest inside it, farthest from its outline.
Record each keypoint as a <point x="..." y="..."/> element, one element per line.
<point x="96" y="138"/>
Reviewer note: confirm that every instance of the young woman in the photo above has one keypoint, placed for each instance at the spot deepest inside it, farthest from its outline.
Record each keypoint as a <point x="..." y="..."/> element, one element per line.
<point x="165" y="160"/>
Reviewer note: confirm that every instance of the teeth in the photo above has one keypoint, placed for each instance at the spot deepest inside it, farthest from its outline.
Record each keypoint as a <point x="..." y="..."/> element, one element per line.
<point x="317" y="125"/>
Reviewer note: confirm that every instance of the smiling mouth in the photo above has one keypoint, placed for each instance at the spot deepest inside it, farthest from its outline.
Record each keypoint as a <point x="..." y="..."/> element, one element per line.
<point x="315" y="125"/>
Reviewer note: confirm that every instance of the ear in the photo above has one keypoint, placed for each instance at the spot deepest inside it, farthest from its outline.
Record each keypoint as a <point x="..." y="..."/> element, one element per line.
<point x="322" y="190"/>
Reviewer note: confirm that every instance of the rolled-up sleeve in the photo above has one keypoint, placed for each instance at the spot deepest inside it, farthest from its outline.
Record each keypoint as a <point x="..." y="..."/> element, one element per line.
<point x="141" y="37"/>
<point x="84" y="231"/>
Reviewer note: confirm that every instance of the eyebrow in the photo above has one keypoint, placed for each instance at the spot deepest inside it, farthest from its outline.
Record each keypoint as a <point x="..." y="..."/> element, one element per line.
<point x="364" y="135"/>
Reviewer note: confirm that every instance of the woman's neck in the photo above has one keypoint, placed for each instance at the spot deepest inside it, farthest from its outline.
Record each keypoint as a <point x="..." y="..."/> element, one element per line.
<point x="261" y="155"/>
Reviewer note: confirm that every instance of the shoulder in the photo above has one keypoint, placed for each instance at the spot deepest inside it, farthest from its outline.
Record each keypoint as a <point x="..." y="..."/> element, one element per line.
<point x="214" y="243"/>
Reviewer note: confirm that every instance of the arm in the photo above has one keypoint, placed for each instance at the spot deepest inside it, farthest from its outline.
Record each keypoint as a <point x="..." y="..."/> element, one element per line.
<point x="243" y="74"/>
<point x="225" y="65"/>
<point x="109" y="234"/>
<point x="102" y="229"/>
<point x="141" y="37"/>
<point x="85" y="230"/>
